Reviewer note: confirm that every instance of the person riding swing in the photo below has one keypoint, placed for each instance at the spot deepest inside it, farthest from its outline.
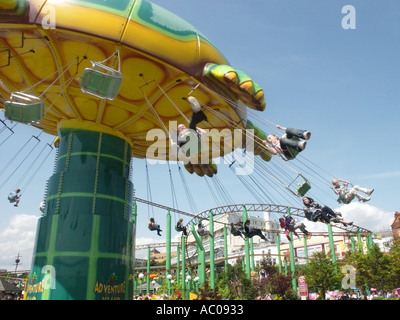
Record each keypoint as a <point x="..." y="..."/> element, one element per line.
<point x="154" y="227"/>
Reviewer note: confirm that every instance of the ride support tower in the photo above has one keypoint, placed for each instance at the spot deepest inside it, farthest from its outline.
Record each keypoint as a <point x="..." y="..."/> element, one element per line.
<point x="85" y="239"/>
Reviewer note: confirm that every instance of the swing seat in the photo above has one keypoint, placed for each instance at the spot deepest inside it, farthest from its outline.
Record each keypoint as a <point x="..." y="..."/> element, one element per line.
<point x="11" y="198"/>
<point x="24" y="108"/>
<point x="303" y="188"/>
<point x="101" y="81"/>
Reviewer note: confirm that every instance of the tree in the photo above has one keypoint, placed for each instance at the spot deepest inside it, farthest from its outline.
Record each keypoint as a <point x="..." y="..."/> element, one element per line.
<point x="281" y="286"/>
<point x="394" y="260"/>
<point x="375" y="269"/>
<point x="240" y="287"/>
<point x="320" y="273"/>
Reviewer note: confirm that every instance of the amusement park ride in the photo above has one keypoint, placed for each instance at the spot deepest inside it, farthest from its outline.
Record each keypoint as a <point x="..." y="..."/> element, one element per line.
<point x="101" y="76"/>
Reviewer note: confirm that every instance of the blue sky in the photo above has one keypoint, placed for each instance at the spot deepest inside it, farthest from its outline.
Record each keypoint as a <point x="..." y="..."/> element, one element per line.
<point x="341" y="84"/>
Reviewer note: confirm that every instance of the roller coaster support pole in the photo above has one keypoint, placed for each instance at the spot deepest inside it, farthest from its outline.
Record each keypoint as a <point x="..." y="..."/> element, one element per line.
<point x="226" y="249"/>
<point x="278" y="246"/>
<point x="370" y="241"/>
<point x="246" y="246"/>
<point x="201" y="269"/>
<point x="305" y="248"/>
<point x="353" y="244"/>
<point x="168" y="244"/>
<point x="332" y="246"/>
<point x="359" y="240"/>
<point x="212" y="258"/>
<point x="148" y="272"/>
<point x="201" y="256"/>
<point x="292" y="264"/>
<point x="183" y="275"/>
<point x="252" y="254"/>
<point x="226" y="253"/>
<point x="286" y="266"/>
<point x="134" y="219"/>
<point x="178" y="257"/>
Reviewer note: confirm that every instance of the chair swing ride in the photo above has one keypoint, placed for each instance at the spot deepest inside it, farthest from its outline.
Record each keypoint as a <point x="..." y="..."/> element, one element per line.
<point x="102" y="94"/>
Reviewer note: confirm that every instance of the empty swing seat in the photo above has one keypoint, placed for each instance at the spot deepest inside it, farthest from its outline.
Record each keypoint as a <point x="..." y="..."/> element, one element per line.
<point x="24" y="108"/>
<point x="101" y="81"/>
<point x="303" y="188"/>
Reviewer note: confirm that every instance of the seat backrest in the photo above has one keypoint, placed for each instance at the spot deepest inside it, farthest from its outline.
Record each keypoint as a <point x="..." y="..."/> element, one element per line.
<point x="24" y="108"/>
<point x="101" y="84"/>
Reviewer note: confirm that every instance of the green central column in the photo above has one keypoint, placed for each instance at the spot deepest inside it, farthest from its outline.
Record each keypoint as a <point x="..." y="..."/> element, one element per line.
<point x="85" y="240"/>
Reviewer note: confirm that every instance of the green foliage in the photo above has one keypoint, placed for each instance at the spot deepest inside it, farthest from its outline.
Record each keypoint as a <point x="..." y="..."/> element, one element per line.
<point x="237" y="284"/>
<point x="321" y="273"/>
<point x="376" y="269"/>
<point x="373" y="269"/>
<point x="394" y="261"/>
<point x="206" y="293"/>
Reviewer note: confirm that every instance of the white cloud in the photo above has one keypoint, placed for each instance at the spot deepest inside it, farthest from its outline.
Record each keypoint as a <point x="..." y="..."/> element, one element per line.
<point x="363" y="215"/>
<point x="18" y="238"/>
<point x="367" y="216"/>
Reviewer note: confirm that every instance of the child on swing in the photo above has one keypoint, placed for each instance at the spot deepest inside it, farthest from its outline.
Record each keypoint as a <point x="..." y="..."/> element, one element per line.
<point x="15" y="197"/>
<point x="154" y="227"/>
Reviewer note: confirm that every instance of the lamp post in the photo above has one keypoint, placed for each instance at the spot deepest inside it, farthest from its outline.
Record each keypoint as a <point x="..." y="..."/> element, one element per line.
<point x="196" y="283"/>
<point x="172" y="282"/>
<point x="141" y="276"/>
<point x="188" y="280"/>
<point x="153" y="283"/>
<point x="169" y="277"/>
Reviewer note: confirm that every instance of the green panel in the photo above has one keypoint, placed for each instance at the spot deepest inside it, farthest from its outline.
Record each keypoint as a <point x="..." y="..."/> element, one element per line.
<point x="114" y="234"/>
<point x="53" y="184"/>
<point x="63" y="146"/>
<point x="106" y="207"/>
<point x="43" y="233"/>
<point x="74" y="232"/>
<point x="24" y="113"/>
<point x="78" y="160"/>
<point x="111" y="283"/>
<point x="71" y="278"/>
<point x="61" y="163"/>
<point x="86" y="141"/>
<point x="86" y="178"/>
<point x="114" y="146"/>
<point x="111" y="165"/>
<point x="81" y="205"/>
<point x="112" y="185"/>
